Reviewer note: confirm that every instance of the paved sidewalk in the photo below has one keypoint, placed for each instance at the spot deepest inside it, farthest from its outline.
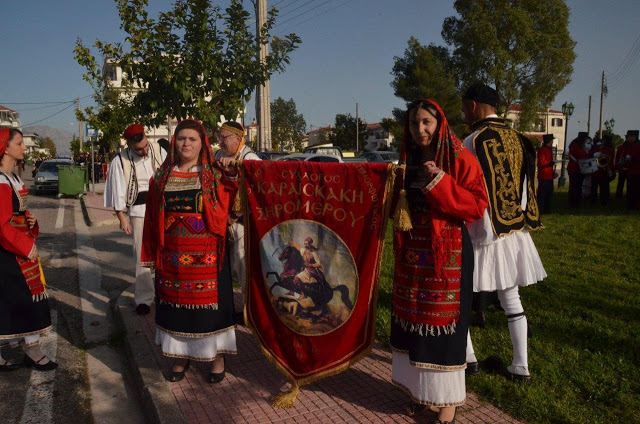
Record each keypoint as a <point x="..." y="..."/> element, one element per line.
<point x="97" y="213"/>
<point x="362" y="394"/>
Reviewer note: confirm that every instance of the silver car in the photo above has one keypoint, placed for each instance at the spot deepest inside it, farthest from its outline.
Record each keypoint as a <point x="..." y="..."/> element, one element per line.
<point x="47" y="176"/>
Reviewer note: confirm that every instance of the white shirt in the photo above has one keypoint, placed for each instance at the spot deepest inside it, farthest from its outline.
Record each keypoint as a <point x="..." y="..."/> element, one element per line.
<point x="481" y="231"/>
<point x="115" y="192"/>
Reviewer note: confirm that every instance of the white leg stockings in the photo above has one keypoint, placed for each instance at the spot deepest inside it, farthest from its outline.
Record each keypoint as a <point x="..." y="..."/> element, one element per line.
<point x="510" y="302"/>
<point x="471" y="356"/>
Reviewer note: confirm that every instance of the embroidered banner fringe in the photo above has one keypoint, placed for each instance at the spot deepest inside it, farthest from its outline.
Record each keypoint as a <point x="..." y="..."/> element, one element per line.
<point x="288" y="398"/>
<point x="426" y="329"/>
<point x="40" y="296"/>
<point x="212" y="306"/>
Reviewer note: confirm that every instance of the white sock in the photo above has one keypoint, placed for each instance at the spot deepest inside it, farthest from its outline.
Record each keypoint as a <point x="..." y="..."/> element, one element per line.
<point x="471" y="356"/>
<point x="518" y="333"/>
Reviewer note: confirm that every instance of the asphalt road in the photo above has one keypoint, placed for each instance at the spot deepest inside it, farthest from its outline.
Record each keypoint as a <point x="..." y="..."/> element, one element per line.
<point x="87" y="371"/>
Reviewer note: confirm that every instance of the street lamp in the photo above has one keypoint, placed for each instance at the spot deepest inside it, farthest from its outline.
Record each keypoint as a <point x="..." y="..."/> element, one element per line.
<point x="567" y="110"/>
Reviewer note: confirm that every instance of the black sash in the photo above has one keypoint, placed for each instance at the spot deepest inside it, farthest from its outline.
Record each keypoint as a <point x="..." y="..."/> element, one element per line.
<point x="141" y="199"/>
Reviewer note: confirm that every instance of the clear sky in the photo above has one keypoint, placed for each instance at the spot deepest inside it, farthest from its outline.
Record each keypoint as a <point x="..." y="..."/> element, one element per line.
<point x="345" y="57"/>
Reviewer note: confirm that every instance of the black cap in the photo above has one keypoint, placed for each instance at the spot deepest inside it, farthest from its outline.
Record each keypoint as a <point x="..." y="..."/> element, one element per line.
<point x="482" y="93"/>
<point x="547" y="138"/>
<point x="583" y="134"/>
<point x="633" y="133"/>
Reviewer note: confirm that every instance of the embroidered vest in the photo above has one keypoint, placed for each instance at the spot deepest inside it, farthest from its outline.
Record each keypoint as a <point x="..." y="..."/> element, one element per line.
<point x="129" y="170"/>
<point x="506" y="158"/>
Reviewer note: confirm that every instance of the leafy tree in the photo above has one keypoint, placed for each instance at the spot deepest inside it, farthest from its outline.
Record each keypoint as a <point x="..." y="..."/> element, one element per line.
<point x="522" y="47"/>
<point x="47" y="143"/>
<point x="196" y="60"/>
<point x="74" y="146"/>
<point x="427" y="72"/>
<point x="395" y="127"/>
<point x="343" y="134"/>
<point x="287" y="126"/>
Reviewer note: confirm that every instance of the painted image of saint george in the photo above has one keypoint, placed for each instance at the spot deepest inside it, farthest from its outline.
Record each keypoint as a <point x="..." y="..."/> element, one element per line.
<point x="310" y="275"/>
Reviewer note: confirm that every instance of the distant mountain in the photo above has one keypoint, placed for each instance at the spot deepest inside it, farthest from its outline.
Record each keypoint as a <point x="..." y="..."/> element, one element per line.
<point x="61" y="138"/>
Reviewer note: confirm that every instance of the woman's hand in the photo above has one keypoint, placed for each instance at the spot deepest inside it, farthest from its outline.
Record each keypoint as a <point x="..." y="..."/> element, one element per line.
<point x="228" y="166"/>
<point x="31" y="220"/>
<point x="431" y="169"/>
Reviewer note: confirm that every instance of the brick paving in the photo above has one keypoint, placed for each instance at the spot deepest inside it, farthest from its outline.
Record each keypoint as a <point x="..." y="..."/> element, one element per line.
<point x="362" y="394"/>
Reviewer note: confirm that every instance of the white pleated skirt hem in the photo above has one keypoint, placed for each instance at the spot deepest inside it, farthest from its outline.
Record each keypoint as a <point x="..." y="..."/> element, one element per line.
<point x="511" y="261"/>
<point x="197" y="348"/>
<point x="427" y="386"/>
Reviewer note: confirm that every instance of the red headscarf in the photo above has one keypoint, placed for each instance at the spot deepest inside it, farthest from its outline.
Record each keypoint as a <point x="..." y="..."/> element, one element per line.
<point x="448" y="149"/>
<point x="216" y="198"/>
<point x="4" y="139"/>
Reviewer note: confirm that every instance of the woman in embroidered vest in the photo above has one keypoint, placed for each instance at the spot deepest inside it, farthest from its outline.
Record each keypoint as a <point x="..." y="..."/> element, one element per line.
<point x="184" y="239"/>
<point x="24" y="308"/>
<point x="434" y="263"/>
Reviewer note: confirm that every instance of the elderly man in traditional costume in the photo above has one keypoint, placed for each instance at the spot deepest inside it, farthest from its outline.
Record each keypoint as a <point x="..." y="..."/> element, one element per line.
<point x="185" y="233"/>
<point x="231" y="139"/>
<point x="126" y="192"/>
<point x="24" y="306"/>
<point x="433" y="275"/>
<point x="505" y="256"/>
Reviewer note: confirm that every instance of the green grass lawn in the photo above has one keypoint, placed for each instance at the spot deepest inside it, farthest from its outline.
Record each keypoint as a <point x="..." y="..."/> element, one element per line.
<point x="584" y="356"/>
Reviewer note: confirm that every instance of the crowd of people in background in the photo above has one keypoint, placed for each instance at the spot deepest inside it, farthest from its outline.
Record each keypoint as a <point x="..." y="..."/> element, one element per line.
<point x="593" y="165"/>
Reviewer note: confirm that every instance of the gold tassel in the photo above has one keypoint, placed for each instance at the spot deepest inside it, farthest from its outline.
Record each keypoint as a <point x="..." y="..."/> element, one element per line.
<point x="288" y="398"/>
<point x="44" y="282"/>
<point x="401" y="216"/>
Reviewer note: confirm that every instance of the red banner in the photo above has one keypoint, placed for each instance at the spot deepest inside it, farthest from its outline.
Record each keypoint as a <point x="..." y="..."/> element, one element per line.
<point x="315" y="234"/>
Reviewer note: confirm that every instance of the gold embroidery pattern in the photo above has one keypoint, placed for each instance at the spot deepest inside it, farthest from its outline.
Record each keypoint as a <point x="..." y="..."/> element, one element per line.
<point x="182" y="183"/>
<point x="506" y="195"/>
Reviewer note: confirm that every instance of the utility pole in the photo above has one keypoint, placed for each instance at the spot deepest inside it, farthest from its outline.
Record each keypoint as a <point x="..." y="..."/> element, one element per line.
<point x="589" y="119"/>
<point x="79" y="125"/>
<point x="263" y="96"/>
<point x="357" y="131"/>
<point x="602" y="90"/>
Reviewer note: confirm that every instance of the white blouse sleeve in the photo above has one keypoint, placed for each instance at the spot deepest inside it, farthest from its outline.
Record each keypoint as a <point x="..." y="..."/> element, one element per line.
<point x="116" y="187"/>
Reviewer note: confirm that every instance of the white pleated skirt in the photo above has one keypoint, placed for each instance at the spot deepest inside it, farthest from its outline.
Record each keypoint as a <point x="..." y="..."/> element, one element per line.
<point x="197" y="348"/>
<point x="426" y="386"/>
<point x="510" y="261"/>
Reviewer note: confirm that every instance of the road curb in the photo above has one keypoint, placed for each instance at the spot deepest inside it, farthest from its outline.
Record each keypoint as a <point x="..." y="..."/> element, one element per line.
<point x="160" y="405"/>
<point x="91" y="219"/>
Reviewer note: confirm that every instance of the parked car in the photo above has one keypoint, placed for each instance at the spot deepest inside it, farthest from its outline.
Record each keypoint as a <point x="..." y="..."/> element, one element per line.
<point x="47" y="176"/>
<point x="271" y="155"/>
<point x="380" y="157"/>
<point x="333" y="151"/>
<point x="311" y="157"/>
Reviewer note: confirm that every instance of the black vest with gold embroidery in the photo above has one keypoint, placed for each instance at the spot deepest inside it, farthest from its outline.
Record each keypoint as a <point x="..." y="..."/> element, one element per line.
<point x="506" y="158"/>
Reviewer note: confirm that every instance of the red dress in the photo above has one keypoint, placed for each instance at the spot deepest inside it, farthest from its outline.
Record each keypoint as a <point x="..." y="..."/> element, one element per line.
<point x="24" y="308"/>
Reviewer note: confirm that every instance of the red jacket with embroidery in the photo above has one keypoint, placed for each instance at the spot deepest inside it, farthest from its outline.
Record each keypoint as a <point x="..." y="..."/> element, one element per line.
<point x="621" y="153"/>
<point x="545" y="163"/>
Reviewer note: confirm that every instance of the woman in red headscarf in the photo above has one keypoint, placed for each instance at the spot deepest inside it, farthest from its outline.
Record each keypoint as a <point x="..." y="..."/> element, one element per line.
<point x="184" y="238"/>
<point x="24" y="308"/>
<point x="434" y="263"/>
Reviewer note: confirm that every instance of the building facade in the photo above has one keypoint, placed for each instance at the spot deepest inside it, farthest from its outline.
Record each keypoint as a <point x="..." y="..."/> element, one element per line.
<point x="9" y="118"/>
<point x="549" y="121"/>
<point x="378" y="138"/>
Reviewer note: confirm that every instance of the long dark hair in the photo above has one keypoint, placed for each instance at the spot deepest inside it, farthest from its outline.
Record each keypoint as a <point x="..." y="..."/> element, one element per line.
<point x="414" y="151"/>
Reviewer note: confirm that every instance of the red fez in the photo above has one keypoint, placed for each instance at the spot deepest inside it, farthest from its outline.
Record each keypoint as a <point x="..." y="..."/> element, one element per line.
<point x="133" y="130"/>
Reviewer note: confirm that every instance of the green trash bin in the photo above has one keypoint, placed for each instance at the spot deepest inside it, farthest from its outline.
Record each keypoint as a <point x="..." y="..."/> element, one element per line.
<point x="71" y="180"/>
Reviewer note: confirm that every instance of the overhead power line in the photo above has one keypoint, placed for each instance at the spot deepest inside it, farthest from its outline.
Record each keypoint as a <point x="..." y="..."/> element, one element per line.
<point x="50" y="116"/>
<point x="303" y="13"/>
<point x="45" y="103"/>
<point x="313" y="17"/>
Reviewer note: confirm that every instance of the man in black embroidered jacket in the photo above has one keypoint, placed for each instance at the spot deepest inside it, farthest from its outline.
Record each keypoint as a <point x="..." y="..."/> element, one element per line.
<point x="504" y="254"/>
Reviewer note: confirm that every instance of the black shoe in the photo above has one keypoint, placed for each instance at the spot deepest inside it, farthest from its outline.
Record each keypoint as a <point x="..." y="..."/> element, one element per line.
<point x="179" y="375"/>
<point x="7" y="367"/>
<point x="472" y="368"/>
<point x="217" y="377"/>
<point x="142" y="309"/>
<point x="415" y="408"/>
<point x="28" y="362"/>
